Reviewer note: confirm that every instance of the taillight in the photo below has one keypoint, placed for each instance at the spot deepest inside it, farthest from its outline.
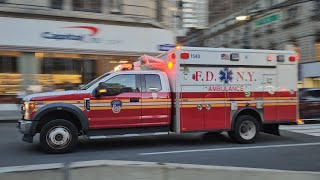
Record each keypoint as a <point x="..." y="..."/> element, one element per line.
<point x="292" y="58"/>
<point x="184" y="55"/>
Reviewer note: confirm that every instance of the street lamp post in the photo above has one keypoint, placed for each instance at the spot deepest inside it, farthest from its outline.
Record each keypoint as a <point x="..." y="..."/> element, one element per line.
<point x="246" y="34"/>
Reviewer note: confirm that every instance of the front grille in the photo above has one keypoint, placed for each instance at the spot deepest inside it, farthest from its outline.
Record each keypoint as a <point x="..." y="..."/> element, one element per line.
<point x="23" y="110"/>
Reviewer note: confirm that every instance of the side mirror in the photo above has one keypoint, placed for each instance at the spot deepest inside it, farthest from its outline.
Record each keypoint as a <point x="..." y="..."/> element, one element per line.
<point x="102" y="90"/>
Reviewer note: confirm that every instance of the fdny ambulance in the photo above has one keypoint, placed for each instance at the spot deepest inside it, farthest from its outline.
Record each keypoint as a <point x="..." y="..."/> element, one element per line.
<point x="185" y="90"/>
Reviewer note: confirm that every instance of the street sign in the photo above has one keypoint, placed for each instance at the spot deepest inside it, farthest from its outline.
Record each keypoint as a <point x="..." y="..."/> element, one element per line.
<point x="267" y="20"/>
<point x="166" y="47"/>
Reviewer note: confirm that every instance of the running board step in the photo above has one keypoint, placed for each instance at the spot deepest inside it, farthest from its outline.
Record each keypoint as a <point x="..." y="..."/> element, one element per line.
<point x="125" y="135"/>
<point x="125" y="132"/>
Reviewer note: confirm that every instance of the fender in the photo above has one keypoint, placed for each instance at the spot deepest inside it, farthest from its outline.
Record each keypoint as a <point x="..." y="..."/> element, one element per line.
<point x="63" y="107"/>
<point x="235" y="115"/>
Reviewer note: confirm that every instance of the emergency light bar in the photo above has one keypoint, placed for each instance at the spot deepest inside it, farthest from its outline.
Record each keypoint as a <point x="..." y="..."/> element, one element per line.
<point x="234" y="57"/>
<point x="152" y="62"/>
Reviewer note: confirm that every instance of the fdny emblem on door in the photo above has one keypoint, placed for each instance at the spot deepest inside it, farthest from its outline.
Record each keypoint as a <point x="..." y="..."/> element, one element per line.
<point x="116" y="106"/>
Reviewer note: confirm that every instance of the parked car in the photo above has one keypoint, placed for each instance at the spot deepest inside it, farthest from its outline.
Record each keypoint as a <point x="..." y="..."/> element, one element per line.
<point x="309" y="104"/>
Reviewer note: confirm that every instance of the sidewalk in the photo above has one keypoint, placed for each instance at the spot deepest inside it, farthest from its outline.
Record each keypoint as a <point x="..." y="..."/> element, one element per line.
<point x="9" y="112"/>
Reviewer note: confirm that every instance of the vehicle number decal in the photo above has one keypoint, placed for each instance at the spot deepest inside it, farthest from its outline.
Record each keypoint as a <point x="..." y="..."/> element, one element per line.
<point x="195" y="56"/>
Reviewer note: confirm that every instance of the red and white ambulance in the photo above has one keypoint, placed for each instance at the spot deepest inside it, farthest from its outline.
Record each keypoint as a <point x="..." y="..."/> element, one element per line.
<point x="185" y="90"/>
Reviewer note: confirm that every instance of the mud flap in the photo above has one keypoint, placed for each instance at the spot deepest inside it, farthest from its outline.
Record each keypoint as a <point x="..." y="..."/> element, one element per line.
<point x="271" y="129"/>
<point x="27" y="138"/>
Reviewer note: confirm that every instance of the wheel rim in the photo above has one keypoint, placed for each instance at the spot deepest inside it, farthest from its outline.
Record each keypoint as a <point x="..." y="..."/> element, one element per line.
<point x="247" y="130"/>
<point x="58" y="137"/>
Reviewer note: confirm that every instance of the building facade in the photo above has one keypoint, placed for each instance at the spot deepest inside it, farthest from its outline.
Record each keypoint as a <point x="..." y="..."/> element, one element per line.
<point x="282" y="25"/>
<point x="194" y="13"/>
<point x="63" y="43"/>
<point x="219" y="9"/>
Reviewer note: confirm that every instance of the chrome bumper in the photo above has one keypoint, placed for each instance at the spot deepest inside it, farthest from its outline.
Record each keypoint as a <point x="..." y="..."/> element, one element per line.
<point x="24" y="126"/>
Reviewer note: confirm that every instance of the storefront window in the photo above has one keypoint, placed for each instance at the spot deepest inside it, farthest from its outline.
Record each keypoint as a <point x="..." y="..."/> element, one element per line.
<point x="61" y="66"/>
<point x="8" y="64"/>
<point x="68" y="71"/>
<point x="10" y="80"/>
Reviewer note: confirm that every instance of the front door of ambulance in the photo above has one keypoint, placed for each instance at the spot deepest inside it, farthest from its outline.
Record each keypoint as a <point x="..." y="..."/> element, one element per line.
<point x="121" y="110"/>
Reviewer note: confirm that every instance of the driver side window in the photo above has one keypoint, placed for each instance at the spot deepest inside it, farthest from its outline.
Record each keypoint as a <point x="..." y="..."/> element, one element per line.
<point x="125" y="83"/>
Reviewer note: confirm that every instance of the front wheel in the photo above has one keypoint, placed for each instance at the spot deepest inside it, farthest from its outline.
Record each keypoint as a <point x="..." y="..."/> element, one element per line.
<point x="58" y="136"/>
<point x="246" y="130"/>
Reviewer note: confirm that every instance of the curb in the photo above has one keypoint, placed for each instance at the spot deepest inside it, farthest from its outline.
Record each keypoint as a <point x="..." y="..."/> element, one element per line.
<point x="84" y="164"/>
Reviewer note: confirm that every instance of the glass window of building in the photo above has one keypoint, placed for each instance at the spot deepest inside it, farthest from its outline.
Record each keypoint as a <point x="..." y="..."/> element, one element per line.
<point x="9" y="78"/>
<point x="56" y="4"/>
<point x="74" y="69"/>
<point x="8" y="64"/>
<point x="292" y="13"/>
<point x="159" y="11"/>
<point x="115" y="6"/>
<point x="87" y="5"/>
<point x="317" y="46"/>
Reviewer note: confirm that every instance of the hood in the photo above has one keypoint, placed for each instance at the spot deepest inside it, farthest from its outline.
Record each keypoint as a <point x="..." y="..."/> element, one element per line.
<point x="50" y="94"/>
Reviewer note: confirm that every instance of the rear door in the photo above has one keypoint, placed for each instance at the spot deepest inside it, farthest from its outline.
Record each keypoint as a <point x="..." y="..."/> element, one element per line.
<point x="156" y="101"/>
<point x="269" y="83"/>
<point x="122" y="110"/>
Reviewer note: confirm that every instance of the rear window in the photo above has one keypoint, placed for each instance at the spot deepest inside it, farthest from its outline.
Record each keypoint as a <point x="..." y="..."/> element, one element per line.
<point x="153" y="83"/>
<point x="312" y="94"/>
<point x="315" y="94"/>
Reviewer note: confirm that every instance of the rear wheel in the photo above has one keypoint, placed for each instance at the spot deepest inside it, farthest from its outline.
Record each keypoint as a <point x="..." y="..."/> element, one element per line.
<point x="59" y="136"/>
<point x="246" y="130"/>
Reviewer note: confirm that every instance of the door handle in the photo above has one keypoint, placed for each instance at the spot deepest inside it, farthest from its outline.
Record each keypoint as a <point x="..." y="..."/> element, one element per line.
<point x="134" y="99"/>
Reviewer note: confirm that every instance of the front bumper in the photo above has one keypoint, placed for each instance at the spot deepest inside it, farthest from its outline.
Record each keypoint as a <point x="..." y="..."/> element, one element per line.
<point x="24" y="126"/>
<point x="27" y="128"/>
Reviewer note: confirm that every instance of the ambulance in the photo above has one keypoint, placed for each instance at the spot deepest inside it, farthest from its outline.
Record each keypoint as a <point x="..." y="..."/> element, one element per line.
<point x="185" y="90"/>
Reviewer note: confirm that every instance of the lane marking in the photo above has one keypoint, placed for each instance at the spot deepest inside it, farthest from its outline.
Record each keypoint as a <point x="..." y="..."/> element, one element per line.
<point x="305" y="131"/>
<point x="294" y="127"/>
<point x="234" y="148"/>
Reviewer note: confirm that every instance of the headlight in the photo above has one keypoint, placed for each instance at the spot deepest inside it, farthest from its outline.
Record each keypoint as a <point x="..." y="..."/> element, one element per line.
<point x="29" y="107"/>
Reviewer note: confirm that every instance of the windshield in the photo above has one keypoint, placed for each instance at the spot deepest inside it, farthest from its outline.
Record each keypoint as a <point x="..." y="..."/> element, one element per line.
<point x="85" y="87"/>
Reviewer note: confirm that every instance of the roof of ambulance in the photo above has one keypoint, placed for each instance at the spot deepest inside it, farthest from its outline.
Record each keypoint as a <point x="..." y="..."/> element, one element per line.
<point x="186" y="48"/>
<point x="139" y="72"/>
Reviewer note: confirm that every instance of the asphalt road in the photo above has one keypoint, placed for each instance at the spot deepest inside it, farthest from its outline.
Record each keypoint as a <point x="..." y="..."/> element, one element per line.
<point x="291" y="151"/>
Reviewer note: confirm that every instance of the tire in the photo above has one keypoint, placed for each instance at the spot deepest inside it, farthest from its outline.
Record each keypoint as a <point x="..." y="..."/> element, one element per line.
<point x="58" y="136"/>
<point x="241" y="133"/>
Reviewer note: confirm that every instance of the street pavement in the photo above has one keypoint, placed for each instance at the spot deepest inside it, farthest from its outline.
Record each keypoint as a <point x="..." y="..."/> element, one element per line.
<point x="9" y="112"/>
<point x="290" y="151"/>
<point x="308" y="129"/>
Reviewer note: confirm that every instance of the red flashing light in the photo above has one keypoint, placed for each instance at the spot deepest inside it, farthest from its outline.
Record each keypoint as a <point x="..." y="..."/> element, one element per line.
<point x="173" y="56"/>
<point x="170" y="64"/>
<point x="292" y="58"/>
<point x="184" y="55"/>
